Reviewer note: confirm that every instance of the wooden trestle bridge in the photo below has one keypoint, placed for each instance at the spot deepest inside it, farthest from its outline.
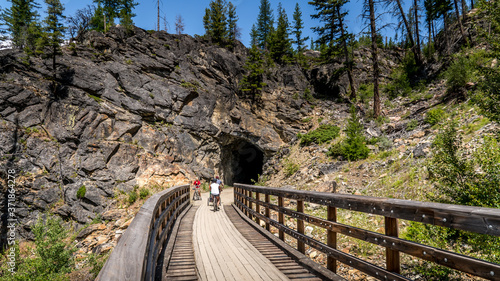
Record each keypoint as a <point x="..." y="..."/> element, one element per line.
<point x="174" y="238"/>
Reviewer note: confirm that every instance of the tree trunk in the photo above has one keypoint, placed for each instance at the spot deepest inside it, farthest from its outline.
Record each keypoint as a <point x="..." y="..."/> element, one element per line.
<point x="446" y="39"/>
<point x="430" y="38"/>
<point x="464" y="9"/>
<point x="408" y="31"/>
<point x="417" y="31"/>
<point x="459" y="21"/>
<point x="348" y="61"/>
<point x="376" y="97"/>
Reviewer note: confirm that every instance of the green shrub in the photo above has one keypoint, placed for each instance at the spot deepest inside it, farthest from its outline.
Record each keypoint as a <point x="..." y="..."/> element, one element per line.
<point x="324" y="133"/>
<point x="410" y="126"/>
<point x="96" y="262"/>
<point x="399" y="85"/>
<point x="50" y="259"/>
<point x="81" y="192"/>
<point x="365" y="92"/>
<point x="384" y="143"/>
<point x="143" y="193"/>
<point x="465" y="179"/>
<point x="354" y="146"/>
<point x="459" y="73"/>
<point x="434" y="116"/>
<point x="132" y="197"/>
<point x="290" y="168"/>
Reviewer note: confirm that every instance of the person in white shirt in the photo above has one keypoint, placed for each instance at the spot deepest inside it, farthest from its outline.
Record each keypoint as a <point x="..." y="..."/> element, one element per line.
<point x="215" y="191"/>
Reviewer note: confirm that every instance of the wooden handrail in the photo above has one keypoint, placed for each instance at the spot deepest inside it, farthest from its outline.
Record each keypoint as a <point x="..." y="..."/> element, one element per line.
<point x="475" y="219"/>
<point x="135" y="256"/>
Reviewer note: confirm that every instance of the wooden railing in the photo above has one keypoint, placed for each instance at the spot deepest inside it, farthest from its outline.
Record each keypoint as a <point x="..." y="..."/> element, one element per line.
<point x="476" y="219"/>
<point x="136" y="254"/>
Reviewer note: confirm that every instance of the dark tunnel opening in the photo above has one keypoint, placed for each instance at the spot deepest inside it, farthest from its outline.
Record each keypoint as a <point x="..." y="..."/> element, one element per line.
<point x="245" y="164"/>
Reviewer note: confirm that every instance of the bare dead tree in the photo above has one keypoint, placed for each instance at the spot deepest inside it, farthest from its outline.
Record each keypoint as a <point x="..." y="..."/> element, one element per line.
<point x="179" y="24"/>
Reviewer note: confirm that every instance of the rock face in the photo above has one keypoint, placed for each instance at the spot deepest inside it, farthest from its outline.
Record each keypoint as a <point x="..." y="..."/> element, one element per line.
<point x="147" y="108"/>
<point x="141" y="109"/>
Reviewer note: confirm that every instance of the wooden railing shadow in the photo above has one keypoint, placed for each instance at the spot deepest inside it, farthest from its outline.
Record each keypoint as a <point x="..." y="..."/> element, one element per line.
<point x="136" y="253"/>
<point x="475" y="219"/>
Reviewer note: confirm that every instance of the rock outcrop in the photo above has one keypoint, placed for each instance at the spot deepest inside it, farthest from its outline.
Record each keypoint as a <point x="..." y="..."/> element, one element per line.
<point x="140" y="109"/>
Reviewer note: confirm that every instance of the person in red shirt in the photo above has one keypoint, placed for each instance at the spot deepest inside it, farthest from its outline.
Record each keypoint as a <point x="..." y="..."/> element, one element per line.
<point x="196" y="189"/>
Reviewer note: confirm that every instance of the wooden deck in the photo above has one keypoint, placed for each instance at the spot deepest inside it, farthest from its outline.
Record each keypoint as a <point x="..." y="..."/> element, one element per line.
<point x="221" y="251"/>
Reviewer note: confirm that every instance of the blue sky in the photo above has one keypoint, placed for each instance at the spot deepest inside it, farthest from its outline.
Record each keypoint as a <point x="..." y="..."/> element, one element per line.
<point x="192" y="12"/>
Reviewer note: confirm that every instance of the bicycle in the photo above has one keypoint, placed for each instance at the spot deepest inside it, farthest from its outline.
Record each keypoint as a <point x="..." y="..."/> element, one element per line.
<point x="196" y="195"/>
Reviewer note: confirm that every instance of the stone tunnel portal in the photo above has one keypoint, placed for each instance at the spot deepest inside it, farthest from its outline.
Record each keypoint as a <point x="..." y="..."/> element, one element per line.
<point x="243" y="163"/>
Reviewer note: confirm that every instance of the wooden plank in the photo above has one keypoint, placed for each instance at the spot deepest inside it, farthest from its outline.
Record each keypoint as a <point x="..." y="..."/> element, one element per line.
<point x="237" y="214"/>
<point x="300" y="227"/>
<point x="257" y="206"/>
<point x="267" y="199"/>
<point x="281" y="218"/>
<point x="331" y="262"/>
<point x="392" y="256"/>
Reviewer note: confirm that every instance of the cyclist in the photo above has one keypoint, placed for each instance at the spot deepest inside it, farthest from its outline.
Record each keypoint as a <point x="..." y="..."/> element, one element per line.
<point x="215" y="191"/>
<point x="219" y="182"/>
<point x="196" y="188"/>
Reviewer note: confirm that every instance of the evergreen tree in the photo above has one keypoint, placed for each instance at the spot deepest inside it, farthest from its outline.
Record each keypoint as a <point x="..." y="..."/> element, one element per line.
<point x="105" y="14"/>
<point x="54" y="29"/>
<point x="298" y="25"/>
<point x="333" y="37"/>
<point x="265" y="21"/>
<point x="397" y="10"/>
<point x="126" y="14"/>
<point x="369" y="8"/>
<point x="253" y="82"/>
<point x="215" y="21"/>
<point x="280" y="46"/>
<point x="22" y="24"/>
<point x="232" y="19"/>
<point x="254" y="36"/>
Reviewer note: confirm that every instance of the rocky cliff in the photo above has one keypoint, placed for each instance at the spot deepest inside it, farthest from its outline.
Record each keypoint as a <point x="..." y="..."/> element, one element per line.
<point x="143" y="109"/>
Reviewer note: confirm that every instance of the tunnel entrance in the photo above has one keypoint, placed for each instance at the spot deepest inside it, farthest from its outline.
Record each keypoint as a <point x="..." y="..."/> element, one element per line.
<point x="243" y="163"/>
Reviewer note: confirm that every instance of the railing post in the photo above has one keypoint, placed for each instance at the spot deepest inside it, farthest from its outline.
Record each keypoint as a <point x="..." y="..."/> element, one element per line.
<point x="250" y="204"/>
<point x="257" y="206"/>
<point x="331" y="263"/>
<point x="300" y="227"/>
<point x="281" y="218"/>
<point x="267" y="211"/>
<point x="392" y="256"/>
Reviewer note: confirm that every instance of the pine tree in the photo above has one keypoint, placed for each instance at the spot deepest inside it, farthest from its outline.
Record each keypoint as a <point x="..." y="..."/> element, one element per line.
<point x="215" y="22"/>
<point x="369" y="7"/>
<point x="298" y="25"/>
<point x="22" y="23"/>
<point x="265" y="21"/>
<point x="253" y="82"/>
<point x="232" y="26"/>
<point x="126" y="14"/>
<point x="254" y="36"/>
<point x="280" y="46"/>
<point x="333" y="37"/>
<point x="54" y="29"/>
<point x="105" y="14"/>
<point x="397" y="10"/>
